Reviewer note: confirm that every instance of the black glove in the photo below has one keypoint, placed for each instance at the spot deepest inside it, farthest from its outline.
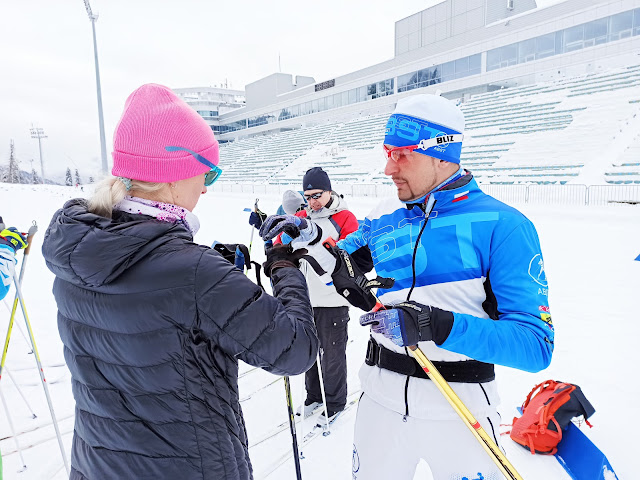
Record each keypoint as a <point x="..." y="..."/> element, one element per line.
<point x="280" y="256"/>
<point x="256" y="218"/>
<point x="421" y="323"/>
<point x="351" y="283"/>
<point x="235" y="253"/>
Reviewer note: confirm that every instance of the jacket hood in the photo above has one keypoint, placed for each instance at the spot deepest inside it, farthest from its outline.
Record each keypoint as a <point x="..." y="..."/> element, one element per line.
<point x="337" y="204"/>
<point x="89" y="250"/>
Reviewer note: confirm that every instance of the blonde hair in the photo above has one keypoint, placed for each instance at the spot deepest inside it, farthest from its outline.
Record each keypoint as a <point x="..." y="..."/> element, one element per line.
<point x="112" y="191"/>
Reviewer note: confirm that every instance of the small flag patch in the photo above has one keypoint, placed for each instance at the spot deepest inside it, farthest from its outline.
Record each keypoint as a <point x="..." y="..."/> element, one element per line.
<point x="460" y="196"/>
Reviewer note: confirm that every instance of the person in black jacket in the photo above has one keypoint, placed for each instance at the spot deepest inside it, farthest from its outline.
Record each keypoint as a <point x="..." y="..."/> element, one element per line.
<point x="153" y="324"/>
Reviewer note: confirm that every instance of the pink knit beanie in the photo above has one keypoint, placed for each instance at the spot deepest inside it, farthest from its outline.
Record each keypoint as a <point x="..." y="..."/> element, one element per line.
<point x="155" y="118"/>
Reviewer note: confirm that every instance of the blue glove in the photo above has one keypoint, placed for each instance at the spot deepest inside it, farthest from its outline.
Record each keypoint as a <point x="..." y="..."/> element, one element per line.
<point x="408" y="323"/>
<point x="256" y="218"/>
<point x="13" y="238"/>
<point x="301" y="230"/>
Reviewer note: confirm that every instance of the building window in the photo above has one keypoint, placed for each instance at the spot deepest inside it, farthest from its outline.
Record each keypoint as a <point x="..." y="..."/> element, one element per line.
<point x="462" y="67"/>
<point x="620" y="25"/>
<point x="546" y="46"/>
<point x="595" y="33"/>
<point x="448" y="71"/>
<point x="493" y="59"/>
<point x="527" y="51"/>
<point x="475" y="64"/>
<point x="574" y="38"/>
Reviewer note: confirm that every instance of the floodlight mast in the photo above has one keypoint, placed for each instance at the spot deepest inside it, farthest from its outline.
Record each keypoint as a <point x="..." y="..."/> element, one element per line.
<point x="38" y="133"/>
<point x="103" y="146"/>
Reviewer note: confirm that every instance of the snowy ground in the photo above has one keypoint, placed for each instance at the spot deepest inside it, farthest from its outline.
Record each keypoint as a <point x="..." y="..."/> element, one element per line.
<point x="594" y="284"/>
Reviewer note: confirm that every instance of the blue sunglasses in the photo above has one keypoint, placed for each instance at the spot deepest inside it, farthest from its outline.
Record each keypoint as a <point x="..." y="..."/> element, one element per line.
<point x="212" y="175"/>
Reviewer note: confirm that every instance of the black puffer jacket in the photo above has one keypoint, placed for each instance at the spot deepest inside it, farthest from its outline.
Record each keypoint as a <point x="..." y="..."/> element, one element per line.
<point x="153" y="326"/>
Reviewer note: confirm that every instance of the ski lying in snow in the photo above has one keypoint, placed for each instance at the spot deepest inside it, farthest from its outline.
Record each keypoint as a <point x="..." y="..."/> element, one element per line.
<point x="317" y="431"/>
<point x="284" y="426"/>
<point x="37" y="427"/>
<point x="259" y="389"/>
<point x="580" y="458"/>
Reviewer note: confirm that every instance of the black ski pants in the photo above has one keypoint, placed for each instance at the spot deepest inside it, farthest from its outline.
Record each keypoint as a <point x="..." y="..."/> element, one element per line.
<point x="331" y="324"/>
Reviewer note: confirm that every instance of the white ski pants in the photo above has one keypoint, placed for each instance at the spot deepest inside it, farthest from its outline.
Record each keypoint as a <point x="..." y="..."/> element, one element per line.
<point x="388" y="445"/>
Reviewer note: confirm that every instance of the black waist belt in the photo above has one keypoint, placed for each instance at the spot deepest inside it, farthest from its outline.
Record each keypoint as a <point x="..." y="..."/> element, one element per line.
<point x="467" y="371"/>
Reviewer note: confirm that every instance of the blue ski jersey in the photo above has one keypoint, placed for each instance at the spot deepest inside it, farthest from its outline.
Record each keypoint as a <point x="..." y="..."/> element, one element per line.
<point x="476" y="256"/>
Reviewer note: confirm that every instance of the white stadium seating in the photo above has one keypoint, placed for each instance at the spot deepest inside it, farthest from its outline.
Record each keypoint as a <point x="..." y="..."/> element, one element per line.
<point x="582" y="130"/>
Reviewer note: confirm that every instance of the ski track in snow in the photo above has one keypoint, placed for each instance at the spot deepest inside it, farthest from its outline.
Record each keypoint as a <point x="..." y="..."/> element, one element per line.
<point x="593" y="283"/>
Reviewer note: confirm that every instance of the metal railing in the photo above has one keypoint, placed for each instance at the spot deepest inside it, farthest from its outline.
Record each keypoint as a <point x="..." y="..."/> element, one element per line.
<point x="512" y="194"/>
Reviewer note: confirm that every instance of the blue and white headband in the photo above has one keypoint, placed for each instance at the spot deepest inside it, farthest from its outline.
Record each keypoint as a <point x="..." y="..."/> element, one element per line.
<point x="432" y="139"/>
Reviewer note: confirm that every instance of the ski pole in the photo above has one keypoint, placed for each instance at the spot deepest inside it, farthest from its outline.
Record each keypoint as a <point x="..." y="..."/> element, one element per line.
<point x="469" y="420"/>
<point x="33" y="415"/>
<point x="304" y="395"/>
<point x="287" y="390"/>
<point x="32" y="231"/>
<point x="327" y="429"/>
<point x="16" y="282"/>
<point x="292" y="427"/>
<point x="255" y="209"/>
<point x="461" y="409"/>
<point x="13" y="432"/>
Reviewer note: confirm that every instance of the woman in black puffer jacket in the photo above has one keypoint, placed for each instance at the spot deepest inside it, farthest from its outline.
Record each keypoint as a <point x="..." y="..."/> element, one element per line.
<point x="153" y="324"/>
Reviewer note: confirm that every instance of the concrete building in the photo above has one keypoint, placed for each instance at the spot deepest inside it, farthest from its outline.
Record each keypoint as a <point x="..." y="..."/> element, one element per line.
<point x="461" y="47"/>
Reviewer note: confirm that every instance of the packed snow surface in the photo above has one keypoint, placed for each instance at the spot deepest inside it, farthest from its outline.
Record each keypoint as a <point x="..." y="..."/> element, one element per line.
<point x="593" y="283"/>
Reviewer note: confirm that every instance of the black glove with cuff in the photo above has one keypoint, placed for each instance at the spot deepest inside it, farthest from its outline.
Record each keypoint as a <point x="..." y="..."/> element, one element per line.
<point x="421" y="323"/>
<point x="280" y="256"/>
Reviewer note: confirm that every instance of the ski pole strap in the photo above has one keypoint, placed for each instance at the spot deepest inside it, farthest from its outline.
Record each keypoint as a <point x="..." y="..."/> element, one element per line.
<point x="466" y="371"/>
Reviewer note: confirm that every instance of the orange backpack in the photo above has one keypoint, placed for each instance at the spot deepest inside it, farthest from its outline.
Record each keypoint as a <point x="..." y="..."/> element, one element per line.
<point x="546" y="412"/>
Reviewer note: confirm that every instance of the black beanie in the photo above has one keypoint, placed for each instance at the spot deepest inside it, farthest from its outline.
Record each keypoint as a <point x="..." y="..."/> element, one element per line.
<point x="316" y="178"/>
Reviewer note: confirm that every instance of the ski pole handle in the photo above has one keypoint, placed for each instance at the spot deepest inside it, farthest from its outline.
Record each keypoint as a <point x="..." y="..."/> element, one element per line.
<point x="30" y="234"/>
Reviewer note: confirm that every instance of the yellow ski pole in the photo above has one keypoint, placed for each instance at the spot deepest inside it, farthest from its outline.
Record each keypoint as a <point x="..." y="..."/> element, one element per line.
<point x="469" y="420"/>
<point x="16" y="282"/>
<point x="461" y="409"/>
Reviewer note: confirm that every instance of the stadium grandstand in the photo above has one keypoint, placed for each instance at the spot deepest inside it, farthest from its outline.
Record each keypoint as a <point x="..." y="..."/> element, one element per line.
<point x="551" y="95"/>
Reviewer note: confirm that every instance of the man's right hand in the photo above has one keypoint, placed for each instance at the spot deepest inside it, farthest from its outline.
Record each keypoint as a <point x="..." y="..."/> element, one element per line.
<point x="13" y="238"/>
<point x="301" y="230"/>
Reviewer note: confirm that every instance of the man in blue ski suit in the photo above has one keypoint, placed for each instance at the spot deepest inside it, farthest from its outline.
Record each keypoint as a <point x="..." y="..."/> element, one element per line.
<point x="470" y="289"/>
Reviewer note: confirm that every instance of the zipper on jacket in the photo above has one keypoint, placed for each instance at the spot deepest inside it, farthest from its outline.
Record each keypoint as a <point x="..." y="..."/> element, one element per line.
<point x="415" y="249"/>
<point x="406" y="399"/>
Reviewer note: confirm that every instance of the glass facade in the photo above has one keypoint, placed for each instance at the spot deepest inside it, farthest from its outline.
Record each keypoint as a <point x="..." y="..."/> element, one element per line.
<point x="463" y="67"/>
<point x="207" y="113"/>
<point x="596" y="32"/>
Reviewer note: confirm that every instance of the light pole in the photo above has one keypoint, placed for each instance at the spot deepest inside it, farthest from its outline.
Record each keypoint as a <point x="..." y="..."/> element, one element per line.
<point x="103" y="146"/>
<point x="39" y="134"/>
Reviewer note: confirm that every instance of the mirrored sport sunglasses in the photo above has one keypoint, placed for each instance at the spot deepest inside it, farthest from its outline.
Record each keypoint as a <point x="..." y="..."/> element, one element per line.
<point x="314" y="196"/>
<point x="212" y="175"/>
<point x="395" y="153"/>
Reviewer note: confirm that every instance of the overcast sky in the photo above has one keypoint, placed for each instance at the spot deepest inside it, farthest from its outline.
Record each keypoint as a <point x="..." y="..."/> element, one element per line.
<point x="47" y="75"/>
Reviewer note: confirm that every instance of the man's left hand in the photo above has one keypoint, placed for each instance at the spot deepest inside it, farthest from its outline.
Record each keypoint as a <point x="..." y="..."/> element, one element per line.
<point x="408" y="323"/>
